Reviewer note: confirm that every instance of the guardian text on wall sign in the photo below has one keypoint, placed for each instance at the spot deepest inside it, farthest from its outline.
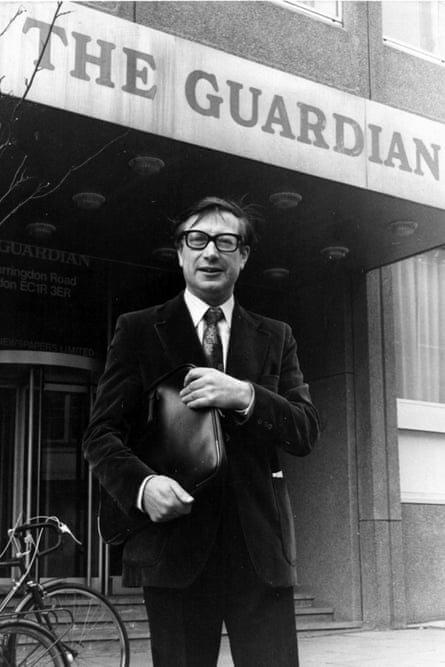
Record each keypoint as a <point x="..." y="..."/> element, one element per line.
<point x="111" y="69"/>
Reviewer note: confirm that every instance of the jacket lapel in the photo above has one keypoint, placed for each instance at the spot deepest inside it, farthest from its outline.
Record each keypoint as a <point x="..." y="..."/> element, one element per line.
<point x="249" y="344"/>
<point x="177" y="334"/>
<point x="248" y="347"/>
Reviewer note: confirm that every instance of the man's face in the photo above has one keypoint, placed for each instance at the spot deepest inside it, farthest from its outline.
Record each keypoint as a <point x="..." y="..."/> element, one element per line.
<point x="210" y="274"/>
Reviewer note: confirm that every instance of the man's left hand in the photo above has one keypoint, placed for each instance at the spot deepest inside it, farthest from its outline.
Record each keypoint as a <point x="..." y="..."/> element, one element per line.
<point x="208" y="387"/>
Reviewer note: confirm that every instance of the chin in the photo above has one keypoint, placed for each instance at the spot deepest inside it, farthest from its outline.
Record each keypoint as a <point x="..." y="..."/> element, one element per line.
<point x="214" y="297"/>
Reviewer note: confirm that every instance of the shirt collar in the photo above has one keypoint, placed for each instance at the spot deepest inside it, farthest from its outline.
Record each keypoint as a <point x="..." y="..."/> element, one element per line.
<point x="197" y="307"/>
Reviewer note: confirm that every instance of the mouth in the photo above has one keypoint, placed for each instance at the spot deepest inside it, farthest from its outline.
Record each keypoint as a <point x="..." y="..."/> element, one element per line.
<point x="210" y="270"/>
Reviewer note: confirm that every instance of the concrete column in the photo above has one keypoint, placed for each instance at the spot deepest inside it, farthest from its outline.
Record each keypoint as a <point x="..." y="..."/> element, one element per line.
<point x="379" y="507"/>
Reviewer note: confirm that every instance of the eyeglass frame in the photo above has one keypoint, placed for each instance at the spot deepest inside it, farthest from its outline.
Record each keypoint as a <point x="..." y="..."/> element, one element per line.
<point x="213" y="238"/>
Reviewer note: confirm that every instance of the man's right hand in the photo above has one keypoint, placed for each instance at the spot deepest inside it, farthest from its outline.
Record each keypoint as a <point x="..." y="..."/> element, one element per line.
<point x="164" y="499"/>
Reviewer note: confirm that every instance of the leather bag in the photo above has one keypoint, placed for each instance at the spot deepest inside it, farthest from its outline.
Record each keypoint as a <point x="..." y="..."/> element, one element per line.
<point x="183" y="443"/>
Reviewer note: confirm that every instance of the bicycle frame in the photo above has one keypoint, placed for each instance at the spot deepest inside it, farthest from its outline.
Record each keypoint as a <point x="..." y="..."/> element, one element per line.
<point x="60" y="620"/>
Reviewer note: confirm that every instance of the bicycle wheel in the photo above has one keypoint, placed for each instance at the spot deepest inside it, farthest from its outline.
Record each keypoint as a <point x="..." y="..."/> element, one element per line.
<point x="91" y="630"/>
<point x="25" y="644"/>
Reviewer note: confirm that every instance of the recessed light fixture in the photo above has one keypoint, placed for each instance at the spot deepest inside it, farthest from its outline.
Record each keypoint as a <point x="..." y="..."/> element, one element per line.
<point x="285" y="199"/>
<point x="402" y="228"/>
<point x="146" y="165"/>
<point x="40" y="230"/>
<point x="335" y="252"/>
<point x="89" y="201"/>
<point x="276" y="273"/>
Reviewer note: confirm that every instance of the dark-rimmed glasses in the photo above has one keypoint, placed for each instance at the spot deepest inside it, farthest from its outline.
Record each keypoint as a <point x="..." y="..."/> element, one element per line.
<point x="198" y="240"/>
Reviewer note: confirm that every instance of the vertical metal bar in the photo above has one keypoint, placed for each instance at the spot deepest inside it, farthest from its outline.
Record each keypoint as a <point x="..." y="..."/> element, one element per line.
<point x="38" y="408"/>
<point x="105" y="550"/>
<point x="90" y="554"/>
<point x="30" y="446"/>
<point x="37" y="469"/>
<point x="107" y="578"/>
<point x="19" y="488"/>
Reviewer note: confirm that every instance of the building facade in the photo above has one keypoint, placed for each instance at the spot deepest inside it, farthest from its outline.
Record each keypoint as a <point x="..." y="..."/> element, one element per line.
<point x="326" y="116"/>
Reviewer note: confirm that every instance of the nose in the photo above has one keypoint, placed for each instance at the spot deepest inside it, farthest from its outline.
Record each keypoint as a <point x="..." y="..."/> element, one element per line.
<point x="211" y="250"/>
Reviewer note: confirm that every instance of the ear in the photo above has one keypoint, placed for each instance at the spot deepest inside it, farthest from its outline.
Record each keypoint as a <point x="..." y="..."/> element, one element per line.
<point x="244" y="252"/>
<point x="179" y="253"/>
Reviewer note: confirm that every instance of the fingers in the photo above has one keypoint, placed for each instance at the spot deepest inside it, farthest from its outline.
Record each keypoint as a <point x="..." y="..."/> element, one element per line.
<point x="164" y="499"/>
<point x="182" y="495"/>
<point x="200" y="375"/>
<point x="208" y="387"/>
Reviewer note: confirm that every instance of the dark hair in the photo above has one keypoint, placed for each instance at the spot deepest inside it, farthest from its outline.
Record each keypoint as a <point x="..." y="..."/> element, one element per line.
<point x="245" y="213"/>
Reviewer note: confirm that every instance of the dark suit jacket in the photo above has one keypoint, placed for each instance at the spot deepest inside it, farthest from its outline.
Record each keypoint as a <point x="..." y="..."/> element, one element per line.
<point x="147" y="344"/>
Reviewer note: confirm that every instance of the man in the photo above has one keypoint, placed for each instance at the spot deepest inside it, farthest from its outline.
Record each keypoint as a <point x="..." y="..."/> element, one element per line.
<point x="227" y="555"/>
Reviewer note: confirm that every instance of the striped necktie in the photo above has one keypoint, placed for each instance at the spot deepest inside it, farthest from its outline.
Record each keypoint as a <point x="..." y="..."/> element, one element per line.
<point x="211" y="340"/>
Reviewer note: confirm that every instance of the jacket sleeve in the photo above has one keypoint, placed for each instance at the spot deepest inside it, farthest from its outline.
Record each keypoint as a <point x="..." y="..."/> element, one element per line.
<point x="283" y="413"/>
<point x="116" y="410"/>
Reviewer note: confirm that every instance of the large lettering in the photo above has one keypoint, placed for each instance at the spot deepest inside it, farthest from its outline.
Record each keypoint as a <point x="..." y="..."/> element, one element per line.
<point x="213" y="101"/>
<point x="46" y="34"/>
<point x="278" y="116"/>
<point x="133" y="73"/>
<point x="313" y="121"/>
<point x="235" y="104"/>
<point x="103" y="59"/>
<point x="397" y="152"/>
<point x="82" y="57"/>
<point x="431" y="160"/>
<point x="341" y="144"/>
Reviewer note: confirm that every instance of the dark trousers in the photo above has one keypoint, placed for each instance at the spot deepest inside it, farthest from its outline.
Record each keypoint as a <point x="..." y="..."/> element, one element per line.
<point x="186" y="624"/>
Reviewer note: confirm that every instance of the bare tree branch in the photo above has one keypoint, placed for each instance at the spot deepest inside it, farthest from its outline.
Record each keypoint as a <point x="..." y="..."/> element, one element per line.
<point x="20" y="204"/>
<point x="39" y="59"/>
<point x="76" y="167"/>
<point x="17" y="179"/>
<point x="16" y="15"/>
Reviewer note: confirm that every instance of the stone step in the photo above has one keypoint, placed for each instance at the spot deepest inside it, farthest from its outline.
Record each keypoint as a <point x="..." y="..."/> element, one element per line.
<point x="132" y="609"/>
<point x="308" y="617"/>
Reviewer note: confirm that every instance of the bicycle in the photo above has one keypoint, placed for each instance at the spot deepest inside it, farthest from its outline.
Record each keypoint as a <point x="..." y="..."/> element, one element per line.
<point x="90" y="622"/>
<point x="24" y="644"/>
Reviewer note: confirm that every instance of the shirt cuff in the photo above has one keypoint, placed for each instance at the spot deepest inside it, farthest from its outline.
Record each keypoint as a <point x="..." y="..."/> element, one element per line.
<point x="243" y="415"/>
<point x="140" y="496"/>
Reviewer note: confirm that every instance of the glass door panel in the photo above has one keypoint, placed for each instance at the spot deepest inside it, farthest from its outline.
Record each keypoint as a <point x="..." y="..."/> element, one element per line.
<point x="63" y="477"/>
<point x="7" y="434"/>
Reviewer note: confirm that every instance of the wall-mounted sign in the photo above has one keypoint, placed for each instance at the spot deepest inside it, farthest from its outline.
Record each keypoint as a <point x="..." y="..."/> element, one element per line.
<point x="109" y="68"/>
<point x="52" y="300"/>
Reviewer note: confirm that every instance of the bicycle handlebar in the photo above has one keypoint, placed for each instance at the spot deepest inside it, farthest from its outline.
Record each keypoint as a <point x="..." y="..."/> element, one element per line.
<point x="35" y="523"/>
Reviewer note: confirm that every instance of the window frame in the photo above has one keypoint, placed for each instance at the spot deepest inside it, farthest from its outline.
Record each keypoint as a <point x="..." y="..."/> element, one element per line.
<point x="296" y="6"/>
<point x="406" y="47"/>
<point x="421" y="445"/>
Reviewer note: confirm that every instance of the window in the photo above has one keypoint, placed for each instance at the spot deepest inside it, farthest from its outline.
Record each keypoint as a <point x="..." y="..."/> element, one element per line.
<point x="324" y="8"/>
<point x="416" y="25"/>
<point x="419" y="307"/>
<point x="419" y="321"/>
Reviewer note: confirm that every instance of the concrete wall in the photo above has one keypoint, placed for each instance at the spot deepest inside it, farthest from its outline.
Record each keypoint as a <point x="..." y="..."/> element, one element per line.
<point x="423" y="550"/>
<point x="324" y="484"/>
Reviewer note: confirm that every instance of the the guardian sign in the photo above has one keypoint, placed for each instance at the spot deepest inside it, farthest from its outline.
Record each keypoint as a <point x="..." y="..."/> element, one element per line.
<point x="111" y="69"/>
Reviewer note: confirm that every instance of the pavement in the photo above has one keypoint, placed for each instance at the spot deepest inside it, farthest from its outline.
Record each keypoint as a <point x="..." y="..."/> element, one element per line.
<point x="416" y="646"/>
